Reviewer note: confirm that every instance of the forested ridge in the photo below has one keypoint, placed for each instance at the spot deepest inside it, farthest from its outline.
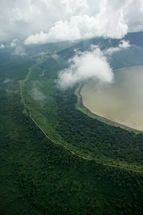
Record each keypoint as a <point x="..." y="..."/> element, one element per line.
<point x="41" y="177"/>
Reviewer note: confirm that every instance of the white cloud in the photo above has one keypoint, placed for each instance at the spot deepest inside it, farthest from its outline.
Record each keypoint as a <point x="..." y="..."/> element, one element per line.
<point x="13" y="43"/>
<point x="2" y="46"/>
<point x="18" y="48"/>
<point x="124" y="44"/>
<point x="51" y="20"/>
<point x="83" y="66"/>
<point x="78" y="27"/>
<point x="37" y="38"/>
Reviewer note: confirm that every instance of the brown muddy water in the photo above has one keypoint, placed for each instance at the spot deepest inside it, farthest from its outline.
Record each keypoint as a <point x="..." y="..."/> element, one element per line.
<point x="120" y="101"/>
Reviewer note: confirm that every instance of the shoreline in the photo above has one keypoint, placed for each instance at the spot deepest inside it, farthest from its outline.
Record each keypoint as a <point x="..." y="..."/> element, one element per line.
<point x="80" y="106"/>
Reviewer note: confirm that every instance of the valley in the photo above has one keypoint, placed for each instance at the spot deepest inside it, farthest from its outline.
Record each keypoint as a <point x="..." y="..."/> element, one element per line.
<point x="55" y="155"/>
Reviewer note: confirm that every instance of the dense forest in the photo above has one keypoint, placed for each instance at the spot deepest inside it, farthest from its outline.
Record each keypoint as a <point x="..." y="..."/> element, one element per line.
<point x="56" y="113"/>
<point x="78" y="165"/>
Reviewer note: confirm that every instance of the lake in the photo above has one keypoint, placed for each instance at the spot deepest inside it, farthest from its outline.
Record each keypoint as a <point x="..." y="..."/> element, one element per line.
<point x="120" y="101"/>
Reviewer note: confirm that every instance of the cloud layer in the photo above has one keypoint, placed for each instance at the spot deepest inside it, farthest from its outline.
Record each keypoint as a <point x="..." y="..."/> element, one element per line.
<point x="83" y="66"/>
<point x="41" y="21"/>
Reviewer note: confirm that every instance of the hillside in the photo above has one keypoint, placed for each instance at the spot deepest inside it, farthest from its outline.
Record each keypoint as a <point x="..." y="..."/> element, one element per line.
<point x="54" y="158"/>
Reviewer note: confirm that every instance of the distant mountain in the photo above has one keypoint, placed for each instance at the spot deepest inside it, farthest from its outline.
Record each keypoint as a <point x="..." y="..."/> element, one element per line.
<point x="126" y="57"/>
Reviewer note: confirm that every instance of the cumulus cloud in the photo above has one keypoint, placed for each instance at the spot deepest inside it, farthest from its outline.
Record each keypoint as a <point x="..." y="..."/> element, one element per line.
<point x="124" y="44"/>
<point x="18" y="48"/>
<point x="37" y="38"/>
<point x="76" y="28"/>
<point x="2" y="46"/>
<point x="83" y="66"/>
<point x="13" y="43"/>
<point x="42" y="21"/>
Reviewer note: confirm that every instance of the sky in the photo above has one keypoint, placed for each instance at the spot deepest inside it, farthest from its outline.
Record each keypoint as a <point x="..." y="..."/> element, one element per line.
<point x="42" y="21"/>
<point x="46" y="21"/>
